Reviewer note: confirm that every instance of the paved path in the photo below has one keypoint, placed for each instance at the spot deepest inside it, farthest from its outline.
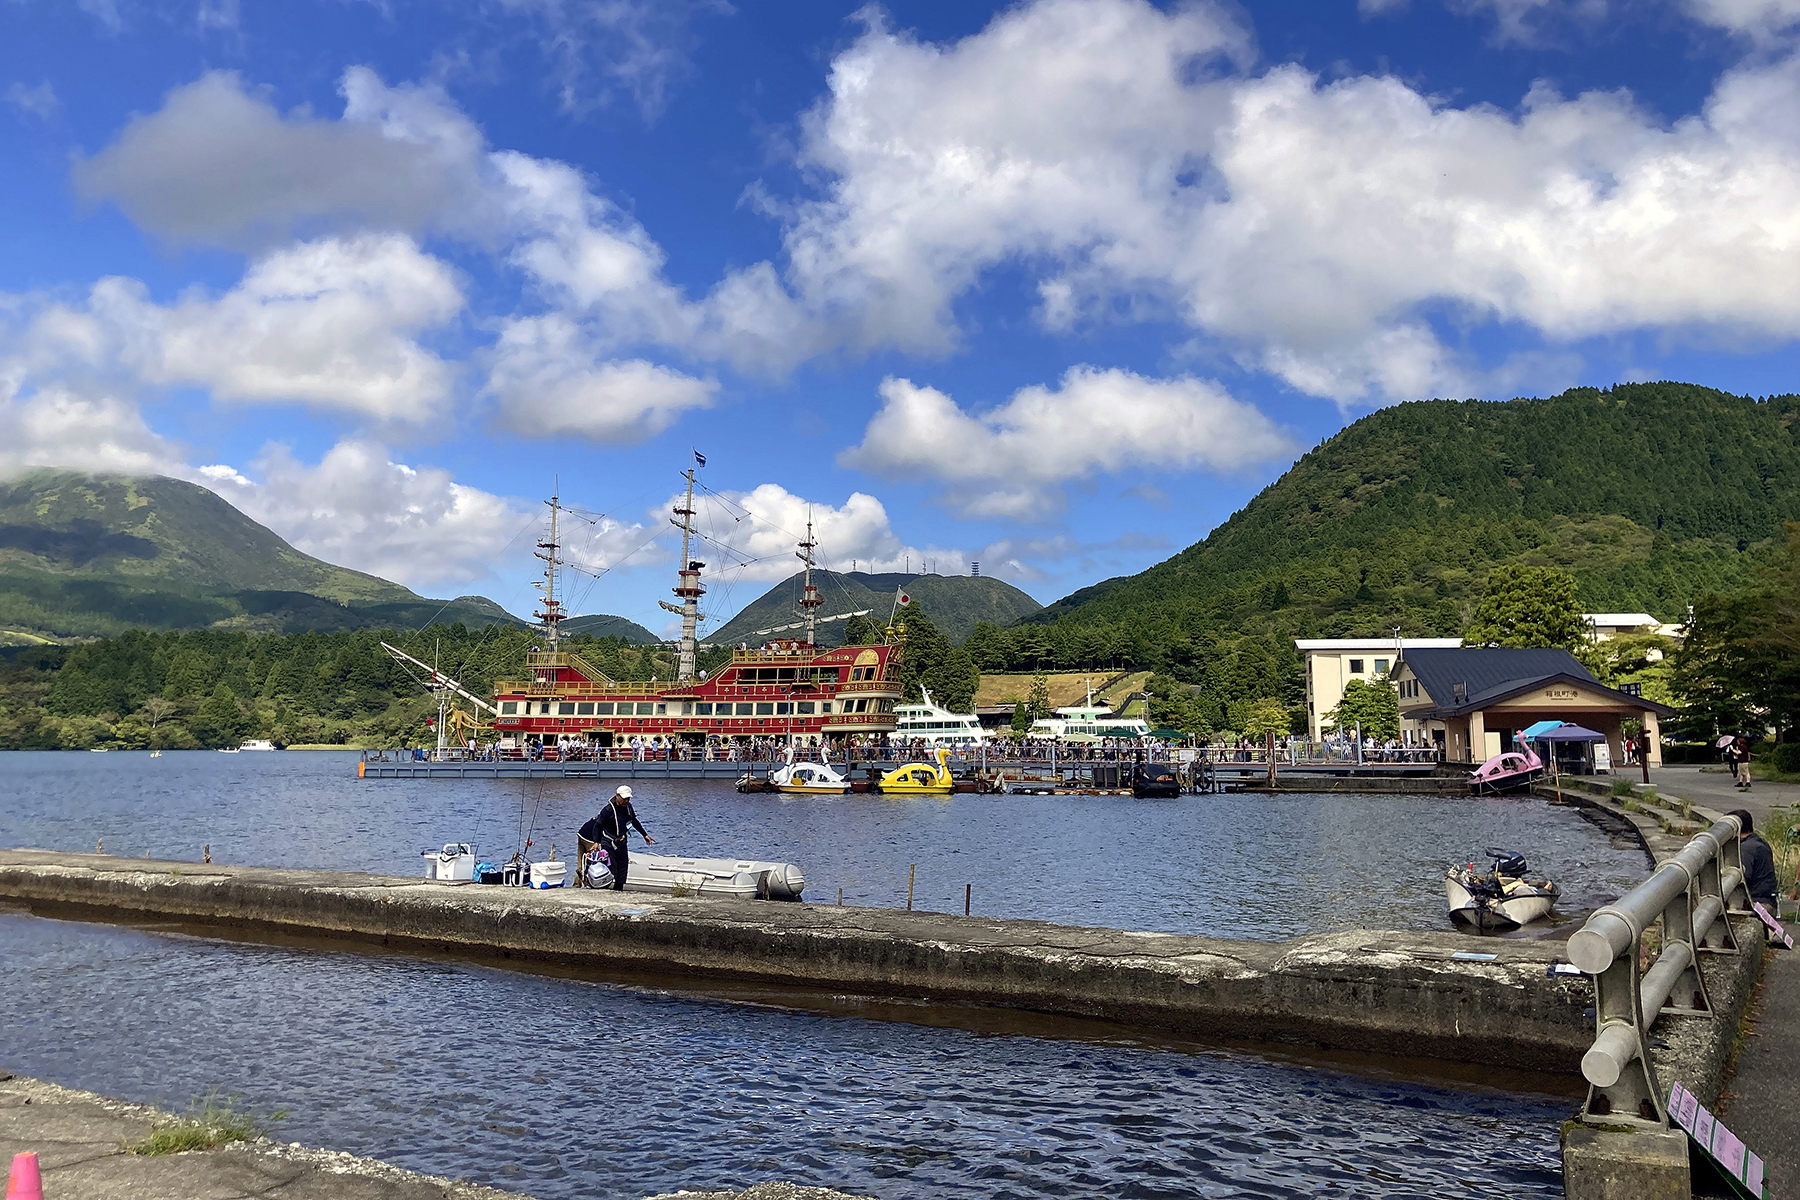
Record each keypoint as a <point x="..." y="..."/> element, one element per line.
<point x="1759" y="1101"/>
<point x="79" y="1138"/>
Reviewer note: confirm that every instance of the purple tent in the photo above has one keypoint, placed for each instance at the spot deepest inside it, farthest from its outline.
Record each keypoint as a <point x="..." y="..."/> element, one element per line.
<point x="1569" y="733"/>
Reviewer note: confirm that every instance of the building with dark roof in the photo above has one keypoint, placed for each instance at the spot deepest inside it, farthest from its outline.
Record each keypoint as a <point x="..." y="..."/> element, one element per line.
<point x="1469" y="702"/>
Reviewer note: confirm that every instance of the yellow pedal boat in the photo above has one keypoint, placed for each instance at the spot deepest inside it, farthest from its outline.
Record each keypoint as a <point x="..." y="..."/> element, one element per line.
<point x="919" y="779"/>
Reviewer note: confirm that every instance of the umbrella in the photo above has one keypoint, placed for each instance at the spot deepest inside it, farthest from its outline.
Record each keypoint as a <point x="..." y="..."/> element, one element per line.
<point x="1724" y="742"/>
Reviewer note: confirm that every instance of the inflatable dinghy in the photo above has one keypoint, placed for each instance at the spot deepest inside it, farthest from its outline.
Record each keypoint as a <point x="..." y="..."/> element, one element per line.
<point x="738" y="879"/>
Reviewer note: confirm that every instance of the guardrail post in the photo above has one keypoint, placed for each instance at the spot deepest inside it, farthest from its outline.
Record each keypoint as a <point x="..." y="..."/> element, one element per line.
<point x="1622" y="1085"/>
<point x="1677" y="965"/>
<point x="1712" y="876"/>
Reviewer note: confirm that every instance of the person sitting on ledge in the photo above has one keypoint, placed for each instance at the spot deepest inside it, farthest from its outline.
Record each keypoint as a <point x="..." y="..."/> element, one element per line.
<point x="1759" y="863"/>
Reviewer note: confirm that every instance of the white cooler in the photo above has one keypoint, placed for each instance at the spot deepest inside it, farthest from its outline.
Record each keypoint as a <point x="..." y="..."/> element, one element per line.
<point x="549" y="874"/>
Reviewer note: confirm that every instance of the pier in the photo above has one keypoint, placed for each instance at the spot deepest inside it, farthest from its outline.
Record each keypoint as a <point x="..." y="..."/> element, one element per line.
<point x="1404" y="995"/>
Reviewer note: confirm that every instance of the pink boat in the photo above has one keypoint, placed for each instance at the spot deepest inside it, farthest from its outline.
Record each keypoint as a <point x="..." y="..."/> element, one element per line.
<point x="1508" y="772"/>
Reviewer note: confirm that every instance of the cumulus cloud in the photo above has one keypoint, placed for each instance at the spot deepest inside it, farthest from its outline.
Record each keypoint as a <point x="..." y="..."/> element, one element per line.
<point x="1756" y="18"/>
<point x="359" y="508"/>
<point x="332" y="324"/>
<point x="1113" y="152"/>
<point x="217" y="164"/>
<point x="1011" y="460"/>
<point x="548" y="384"/>
<point x="758" y="531"/>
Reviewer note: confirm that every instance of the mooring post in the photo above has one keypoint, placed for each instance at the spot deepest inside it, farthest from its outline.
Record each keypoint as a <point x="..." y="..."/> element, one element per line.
<point x="968" y="891"/>
<point x="910" y="871"/>
<point x="206" y="853"/>
<point x="840" y="897"/>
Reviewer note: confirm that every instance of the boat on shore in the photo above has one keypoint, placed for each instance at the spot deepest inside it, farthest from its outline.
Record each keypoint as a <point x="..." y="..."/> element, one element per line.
<point x="1512" y="771"/>
<point x="737" y="879"/>
<point x="1499" y="899"/>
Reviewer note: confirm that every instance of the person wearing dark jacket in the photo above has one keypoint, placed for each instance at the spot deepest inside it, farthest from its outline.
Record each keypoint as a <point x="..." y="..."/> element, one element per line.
<point x="609" y="831"/>
<point x="1759" y="863"/>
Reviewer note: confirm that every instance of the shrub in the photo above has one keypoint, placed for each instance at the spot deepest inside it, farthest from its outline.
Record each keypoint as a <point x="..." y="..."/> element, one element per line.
<point x="1786" y="758"/>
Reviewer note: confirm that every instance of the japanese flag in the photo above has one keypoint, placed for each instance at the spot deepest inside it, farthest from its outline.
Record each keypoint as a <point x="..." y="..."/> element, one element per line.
<point x="905" y="599"/>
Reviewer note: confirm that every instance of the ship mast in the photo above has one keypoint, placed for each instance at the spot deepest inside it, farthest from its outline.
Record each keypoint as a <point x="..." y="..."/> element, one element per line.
<point x="809" y="595"/>
<point x="552" y="613"/>
<point x="689" y="589"/>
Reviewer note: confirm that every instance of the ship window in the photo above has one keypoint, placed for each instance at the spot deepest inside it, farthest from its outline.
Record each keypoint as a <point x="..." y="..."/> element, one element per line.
<point x="662" y="710"/>
<point x="806" y="708"/>
<point x="784" y="710"/>
<point x="544" y="709"/>
<point x="585" y="709"/>
<point x="566" y="708"/>
<point x="509" y="707"/>
<point x="703" y="709"/>
<point x="765" y="709"/>
<point x="825" y="706"/>
<point x="858" y="673"/>
<point x="828" y="674"/>
<point x="603" y="710"/>
<point x="1356" y="666"/>
<point x="767" y="675"/>
<point x="887" y="706"/>
<point x="861" y="706"/>
<point x="646" y="708"/>
<point x="744" y="710"/>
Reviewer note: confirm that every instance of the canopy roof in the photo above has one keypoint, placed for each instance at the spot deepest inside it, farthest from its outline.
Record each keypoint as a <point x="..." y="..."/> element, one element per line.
<point x="1568" y="733"/>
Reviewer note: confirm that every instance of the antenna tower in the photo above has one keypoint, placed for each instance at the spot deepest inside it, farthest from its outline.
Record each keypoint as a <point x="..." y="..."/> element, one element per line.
<point x="688" y="589"/>
<point x="552" y="613"/>
<point x="809" y="595"/>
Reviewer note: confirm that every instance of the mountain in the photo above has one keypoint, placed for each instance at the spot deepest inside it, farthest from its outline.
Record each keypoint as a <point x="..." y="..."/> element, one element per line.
<point x="955" y="603"/>
<point x="1649" y="494"/>
<point x="602" y="626"/>
<point x="86" y="555"/>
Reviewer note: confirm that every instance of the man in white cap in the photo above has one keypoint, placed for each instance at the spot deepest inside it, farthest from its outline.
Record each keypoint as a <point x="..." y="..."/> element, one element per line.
<point x="610" y="830"/>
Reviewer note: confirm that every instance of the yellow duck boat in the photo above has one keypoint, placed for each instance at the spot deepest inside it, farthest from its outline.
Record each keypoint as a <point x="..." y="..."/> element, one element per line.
<point x="919" y="779"/>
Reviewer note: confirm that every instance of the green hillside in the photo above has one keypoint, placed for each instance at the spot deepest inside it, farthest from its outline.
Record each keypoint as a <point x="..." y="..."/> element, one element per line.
<point x="603" y="626"/>
<point x="94" y="555"/>
<point x="956" y="603"/>
<point x="1649" y="494"/>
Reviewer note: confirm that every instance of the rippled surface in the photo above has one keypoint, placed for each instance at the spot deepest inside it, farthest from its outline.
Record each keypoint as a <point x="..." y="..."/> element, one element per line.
<point x="1233" y="866"/>
<point x="567" y="1089"/>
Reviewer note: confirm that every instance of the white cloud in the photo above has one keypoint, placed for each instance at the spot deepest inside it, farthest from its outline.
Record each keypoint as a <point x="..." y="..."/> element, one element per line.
<point x="217" y="164"/>
<point x="40" y="101"/>
<point x="1011" y="460"/>
<point x="548" y="384"/>
<point x="1528" y="21"/>
<point x="59" y="426"/>
<point x="1318" y="230"/>
<point x="1756" y="18"/>
<point x="596" y="46"/>
<point x="759" y="531"/>
<point x="359" y="508"/>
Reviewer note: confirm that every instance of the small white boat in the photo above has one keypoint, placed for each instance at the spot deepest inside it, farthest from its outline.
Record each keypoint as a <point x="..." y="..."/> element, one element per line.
<point x="1500" y="899"/>
<point x="98" y="749"/>
<point x="808" y="779"/>
<point x="257" y="744"/>
<point x="738" y="879"/>
<point x="156" y="754"/>
<point x="228" y="749"/>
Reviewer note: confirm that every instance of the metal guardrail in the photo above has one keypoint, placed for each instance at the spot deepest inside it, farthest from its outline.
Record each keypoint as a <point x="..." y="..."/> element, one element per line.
<point x="1690" y="895"/>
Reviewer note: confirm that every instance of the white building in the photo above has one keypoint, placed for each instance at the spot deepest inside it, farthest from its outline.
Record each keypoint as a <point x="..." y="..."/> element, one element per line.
<point x="1333" y="662"/>
<point x="1607" y="626"/>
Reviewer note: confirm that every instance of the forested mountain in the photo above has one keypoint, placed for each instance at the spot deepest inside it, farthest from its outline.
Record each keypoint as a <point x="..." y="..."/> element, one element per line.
<point x="1649" y="494"/>
<point x="957" y="603"/>
<point x="82" y="555"/>
<point x="215" y="687"/>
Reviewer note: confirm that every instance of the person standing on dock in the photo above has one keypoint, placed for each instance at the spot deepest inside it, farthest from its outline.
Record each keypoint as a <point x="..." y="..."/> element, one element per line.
<point x="610" y="830"/>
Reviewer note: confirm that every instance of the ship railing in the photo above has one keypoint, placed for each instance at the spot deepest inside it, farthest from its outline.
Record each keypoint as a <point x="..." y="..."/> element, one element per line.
<point x="1691" y="896"/>
<point x="609" y="688"/>
<point x="566" y="659"/>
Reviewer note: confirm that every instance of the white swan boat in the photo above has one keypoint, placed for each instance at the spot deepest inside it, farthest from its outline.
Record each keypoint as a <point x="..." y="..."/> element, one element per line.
<point x="1500" y="899"/>
<point x="808" y="779"/>
<point x="738" y="879"/>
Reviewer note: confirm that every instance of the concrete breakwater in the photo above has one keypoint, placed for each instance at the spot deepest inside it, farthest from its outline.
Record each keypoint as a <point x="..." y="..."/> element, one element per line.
<point x="1388" y="993"/>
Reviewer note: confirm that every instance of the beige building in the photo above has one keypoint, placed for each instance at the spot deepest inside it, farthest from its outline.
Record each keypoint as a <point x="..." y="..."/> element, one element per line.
<point x="1607" y="626"/>
<point x="1470" y="702"/>
<point x="1333" y="662"/>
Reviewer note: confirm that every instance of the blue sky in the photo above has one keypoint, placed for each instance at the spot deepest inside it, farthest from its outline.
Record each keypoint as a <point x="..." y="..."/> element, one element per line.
<point x="1055" y="285"/>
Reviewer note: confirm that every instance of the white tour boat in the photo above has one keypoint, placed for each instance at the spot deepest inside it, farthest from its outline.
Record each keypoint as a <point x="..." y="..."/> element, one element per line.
<point x="1088" y="722"/>
<point x="936" y="726"/>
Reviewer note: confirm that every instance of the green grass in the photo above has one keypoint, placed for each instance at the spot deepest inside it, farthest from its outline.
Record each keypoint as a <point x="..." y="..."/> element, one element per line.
<point x="1779" y="831"/>
<point x="1621" y="787"/>
<point x="211" y="1120"/>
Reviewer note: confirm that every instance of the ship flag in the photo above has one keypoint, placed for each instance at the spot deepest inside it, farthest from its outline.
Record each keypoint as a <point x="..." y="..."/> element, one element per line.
<point x="699" y="458"/>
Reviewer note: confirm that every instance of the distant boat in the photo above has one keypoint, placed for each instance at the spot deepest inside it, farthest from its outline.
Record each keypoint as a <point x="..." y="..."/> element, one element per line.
<point x="257" y="744"/>
<point x="156" y="754"/>
<point x="98" y="749"/>
<point x="929" y="723"/>
<point x="228" y="749"/>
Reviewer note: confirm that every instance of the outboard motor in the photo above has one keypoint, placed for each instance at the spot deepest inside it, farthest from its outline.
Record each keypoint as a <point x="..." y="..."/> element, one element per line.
<point x="1509" y="863"/>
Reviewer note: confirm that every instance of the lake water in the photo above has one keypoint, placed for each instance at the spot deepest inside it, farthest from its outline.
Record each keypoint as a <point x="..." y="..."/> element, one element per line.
<point x="1268" y="867"/>
<point x="567" y="1088"/>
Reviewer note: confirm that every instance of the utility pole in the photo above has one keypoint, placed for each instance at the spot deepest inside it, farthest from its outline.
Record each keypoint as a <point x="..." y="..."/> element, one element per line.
<point x="688" y="587"/>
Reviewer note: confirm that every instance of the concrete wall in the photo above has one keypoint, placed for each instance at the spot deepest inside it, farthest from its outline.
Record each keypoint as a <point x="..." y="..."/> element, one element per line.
<point x="1387" y="993"/>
